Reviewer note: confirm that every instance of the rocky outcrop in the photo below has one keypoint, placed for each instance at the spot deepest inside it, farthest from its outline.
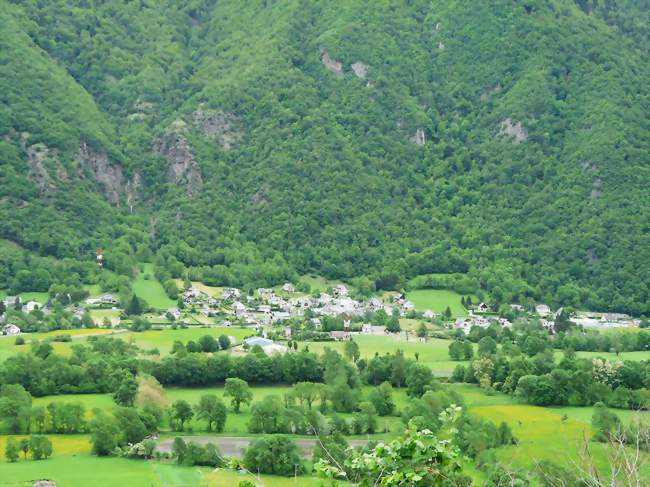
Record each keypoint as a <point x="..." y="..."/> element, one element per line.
<point x="419" y="138"/>
<point x="217" y="125"/>
<point x="332" y="65"/>
<point x="183" y="170"/>
<point x="37" y="154"/>
<point x="514" y="131"/>
<point x="360" y="69"/>
<point x="107" y="173"/>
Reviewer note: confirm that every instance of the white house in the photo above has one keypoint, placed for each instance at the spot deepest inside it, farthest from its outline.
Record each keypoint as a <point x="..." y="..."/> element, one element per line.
<point x="30" y="306"/>
<point x="482" y="308"/>
<point x="428" y="314"/>
<point x="264" y="308"/>
<point x="11" y="301"/>
<point x="11" y="330"/>
<point x="265" y="292"/>
<point x="230" y="293"/>
<point x="289" y="288"/>
<point x="317" y="323"/>
<point x="175" y="313"/>
<point x="373" y="330"/>
<point x="269" y="346"/>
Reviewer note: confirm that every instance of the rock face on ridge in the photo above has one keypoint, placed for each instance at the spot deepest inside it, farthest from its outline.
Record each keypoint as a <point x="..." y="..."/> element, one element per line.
<point x="182" y="170"/>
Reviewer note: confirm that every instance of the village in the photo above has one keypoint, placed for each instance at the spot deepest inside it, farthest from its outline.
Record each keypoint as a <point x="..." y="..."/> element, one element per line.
<point x="277" y="316"/>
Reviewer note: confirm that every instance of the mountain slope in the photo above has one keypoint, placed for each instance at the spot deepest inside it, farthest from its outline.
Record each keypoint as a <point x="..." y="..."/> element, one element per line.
<point x="507" y="140"/>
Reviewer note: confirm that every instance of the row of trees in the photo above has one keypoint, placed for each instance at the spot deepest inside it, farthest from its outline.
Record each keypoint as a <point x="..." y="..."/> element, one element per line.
<point x="40" y="448"/>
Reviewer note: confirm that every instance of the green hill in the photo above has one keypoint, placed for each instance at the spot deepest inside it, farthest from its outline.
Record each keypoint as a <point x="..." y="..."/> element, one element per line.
<point x="252" y="141"/>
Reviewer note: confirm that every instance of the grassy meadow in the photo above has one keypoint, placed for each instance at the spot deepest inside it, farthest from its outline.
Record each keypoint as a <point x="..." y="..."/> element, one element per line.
<point x="437" y="301"/>
<point x="434" y="352"/>
<point x="147" y="287"/>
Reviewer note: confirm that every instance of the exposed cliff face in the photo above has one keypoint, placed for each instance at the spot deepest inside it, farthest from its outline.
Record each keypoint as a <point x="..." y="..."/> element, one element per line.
<point x="106" y="173"/>
<point x="132" y="190"/>
<point x="36" y="157"/>
<point x="515" y="131"/>
<point x="218" y="126"/>
<point x="183" y="170"/>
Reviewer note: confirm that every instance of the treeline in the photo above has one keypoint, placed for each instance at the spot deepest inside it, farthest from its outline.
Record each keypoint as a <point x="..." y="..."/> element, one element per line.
<point x="531" y="336"/>
<point x="538" y="379"/>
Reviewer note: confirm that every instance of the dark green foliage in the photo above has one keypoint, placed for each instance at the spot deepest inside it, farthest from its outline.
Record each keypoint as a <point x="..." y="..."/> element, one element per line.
<point x="15" y="407"/>
<point x="276" y="455"/>
<point x="316" y="162"/>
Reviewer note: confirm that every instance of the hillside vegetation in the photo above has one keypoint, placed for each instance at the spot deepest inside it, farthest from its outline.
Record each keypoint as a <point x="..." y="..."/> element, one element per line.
<point x="248" y="142"/>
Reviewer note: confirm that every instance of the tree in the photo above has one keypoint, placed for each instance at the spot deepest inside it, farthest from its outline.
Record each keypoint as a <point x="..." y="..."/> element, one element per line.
<point x="417" y="458"/>
<point x="126" y="391"/>
<point x="456" y="350"/>
<point x="238" y="391"/>
<point x="12" y="450"/>
<point x="41" y="447"/>
<point x="24" y="446"/>
<point x="418" y="379"/>
<point x="224" y="342"/>
<point x="15" y="407"/>
<point x="211" y="409"/>
<point x="274" y="455"/>
<point x="208" y="344"/>
<point x="351" y="350"/>
<point x="131" y="425"/>
<point x="487" y="346"/>
<point x="104" y="435"/>
<point x="604" y="422"/>
<point x="382" y="399"/>
<point x="393" y="325"/>
<point x="447" y="313"/>
<point x="306" y="392"/>
<point x="423" y="331"/>
<point x="134" y="307"/>
<point x="181" y="412"/>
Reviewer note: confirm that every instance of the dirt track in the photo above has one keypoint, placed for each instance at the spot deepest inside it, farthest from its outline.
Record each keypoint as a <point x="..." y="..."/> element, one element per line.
<point x="233" y="446"/>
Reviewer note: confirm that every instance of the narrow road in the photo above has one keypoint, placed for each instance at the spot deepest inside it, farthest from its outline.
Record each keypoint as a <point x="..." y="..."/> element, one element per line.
<point x="233" y="446"/>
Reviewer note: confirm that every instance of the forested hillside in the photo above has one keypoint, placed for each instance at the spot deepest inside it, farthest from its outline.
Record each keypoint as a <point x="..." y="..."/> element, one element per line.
<point x="253" y="140"/>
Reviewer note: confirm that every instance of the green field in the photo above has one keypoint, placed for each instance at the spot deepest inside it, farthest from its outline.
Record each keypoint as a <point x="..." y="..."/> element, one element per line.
<point x="437" y="301"/>
<point x="319" y="284"/>
<point x="151" y="290"/>
<point x="634" y="356"/>
<point x="164" y="339"/>
<point x="434" y="352"/>
<point x="40" y="297"/>
<point x="85" y="469"/>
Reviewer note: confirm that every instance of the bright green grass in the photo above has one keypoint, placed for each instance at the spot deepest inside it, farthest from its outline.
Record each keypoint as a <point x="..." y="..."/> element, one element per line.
<point x="85" y="469"/>
<point x="433" y="353"/>
<point x="633" y="356"/>
<point x="93" y="289"/>
<point x="89" y="401"/>
<point x="437" y="301"/>
<point x="151" y="289"/>
<point x="98" y="315"/>
<point x="164" y="339"/>
<point x="40" y="297"/>
<point x="320" y="284"/>
<point x="8" y="345"/>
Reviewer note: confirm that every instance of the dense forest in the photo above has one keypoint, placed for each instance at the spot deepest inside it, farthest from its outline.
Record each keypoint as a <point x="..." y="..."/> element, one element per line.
<point x="246" y="142"/>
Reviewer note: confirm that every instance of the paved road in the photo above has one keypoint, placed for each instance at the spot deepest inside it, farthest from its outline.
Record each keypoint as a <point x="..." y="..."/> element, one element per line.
<point x="233" y="446"/>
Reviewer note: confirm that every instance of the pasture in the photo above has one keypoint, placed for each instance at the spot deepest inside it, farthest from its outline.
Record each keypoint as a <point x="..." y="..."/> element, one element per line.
<point x="437" y="301"/>
<point x="147" y="287"/>
<point x="85" y="469"/>
<point x="433" y="353"/>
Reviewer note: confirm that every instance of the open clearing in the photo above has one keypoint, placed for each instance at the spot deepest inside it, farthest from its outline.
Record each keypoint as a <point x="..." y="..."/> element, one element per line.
<point x="147" y="287"/>
<point x="437" y="301"/>
<point x="433" y="353"/>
